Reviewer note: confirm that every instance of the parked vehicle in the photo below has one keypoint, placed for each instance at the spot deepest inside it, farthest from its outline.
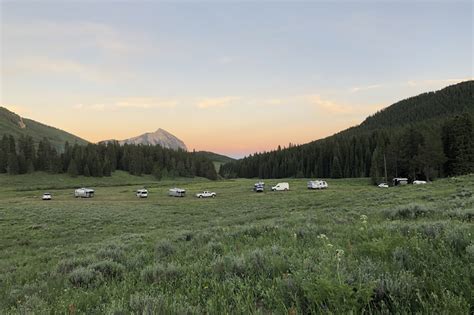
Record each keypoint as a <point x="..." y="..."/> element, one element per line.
<point x="176" y="192"/>
<point x="317" y="184"/>
<point x="142" y="193"/>
<point x="419" y="182"/>
<point x="400" y="181"/>
<point x="46" y="196"/>
<point x="206" y="194"/>
<point x="259" y="187"/>
<point x="383" y="185"/>
<point x="281" y="187"/>
<point x="84" y="193"/>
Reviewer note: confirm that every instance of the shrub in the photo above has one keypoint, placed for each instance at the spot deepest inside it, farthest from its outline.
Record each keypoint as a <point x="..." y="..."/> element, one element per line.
<point x="109" y="269"/>
<point x="229" y="266"/>
<point x="112" y="252"/>
<point x="145" y="304"/>
<point x="458" y="240"/>
<point x="402" y="258"/>
<point x="158" y="273"/>
<point x="216" y="248"/>
<point x="84" y="277"/>
<point x="65" y="266"/>
<point x="164" y="249"/>
<point x="410" y="211"/>
<point x="34" y="305"/>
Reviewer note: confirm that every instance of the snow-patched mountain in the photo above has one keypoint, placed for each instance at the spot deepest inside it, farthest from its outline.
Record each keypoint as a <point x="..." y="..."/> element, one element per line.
<point x="161" y="137"/>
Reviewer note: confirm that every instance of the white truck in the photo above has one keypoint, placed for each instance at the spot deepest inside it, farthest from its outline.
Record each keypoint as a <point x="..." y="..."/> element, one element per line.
<point x="142" y="193"/>
<point x="206" y="194"/>
<point x="317" y="184"/>
<point x="84" y="193"/>
<point x="281" y="187"/>
<point x="46" y="196"/>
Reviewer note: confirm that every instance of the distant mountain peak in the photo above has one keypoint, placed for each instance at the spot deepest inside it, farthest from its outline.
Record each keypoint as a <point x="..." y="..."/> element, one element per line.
<point x="159" y="137"/>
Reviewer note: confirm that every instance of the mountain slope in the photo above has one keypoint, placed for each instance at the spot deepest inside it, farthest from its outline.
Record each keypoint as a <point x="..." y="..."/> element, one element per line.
<point x="159" y="137"/>
<point x="409" y="134"/>
<point x="15" y="125"/>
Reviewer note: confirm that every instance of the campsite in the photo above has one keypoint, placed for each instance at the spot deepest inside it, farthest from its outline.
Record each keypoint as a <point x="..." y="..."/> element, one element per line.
<point x="276" y="252"/>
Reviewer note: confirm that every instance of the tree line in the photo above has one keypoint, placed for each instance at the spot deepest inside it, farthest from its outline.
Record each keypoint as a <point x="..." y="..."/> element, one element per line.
<point x="22" y="156"/>
<point x="416" y="151"/>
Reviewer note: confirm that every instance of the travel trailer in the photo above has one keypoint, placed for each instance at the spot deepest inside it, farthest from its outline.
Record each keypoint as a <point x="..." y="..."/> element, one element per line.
<point x="317" y="184"/>
<point x="399" y="181"/>
<point x="281" y="187"/>
<point x="84" y="193"/>
<point x="176" y="192"/>
<point x="142" y="193"/>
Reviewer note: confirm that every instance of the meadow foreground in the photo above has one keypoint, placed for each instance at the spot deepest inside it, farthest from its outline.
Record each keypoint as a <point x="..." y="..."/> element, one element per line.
<point x="352" y="247"/>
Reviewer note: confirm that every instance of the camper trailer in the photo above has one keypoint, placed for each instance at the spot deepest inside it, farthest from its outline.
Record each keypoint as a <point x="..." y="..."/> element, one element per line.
<point x="142" y="193"/>
<point x="177" y="192"/>
<point x="84" y="193"/>
<point x="399" y="181"/>
<point x="317" y="184"/>
<point x="281" y="187"/>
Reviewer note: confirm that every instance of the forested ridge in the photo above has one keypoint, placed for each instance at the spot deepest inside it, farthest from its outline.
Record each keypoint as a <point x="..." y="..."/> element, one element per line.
<point x="422" y="137"/>
<point x="23" y="156"/>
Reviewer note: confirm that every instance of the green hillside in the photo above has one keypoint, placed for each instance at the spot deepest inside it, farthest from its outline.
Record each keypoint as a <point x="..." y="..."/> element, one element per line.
<point x="425" y="136"/>
<point x="13" y="124"/>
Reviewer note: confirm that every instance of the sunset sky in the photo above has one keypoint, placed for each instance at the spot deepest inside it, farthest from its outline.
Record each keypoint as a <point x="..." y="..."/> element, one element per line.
<point x="229" y="77"/>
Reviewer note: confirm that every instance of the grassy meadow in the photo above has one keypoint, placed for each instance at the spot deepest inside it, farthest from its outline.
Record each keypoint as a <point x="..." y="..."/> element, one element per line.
<point x="351" y="248"/>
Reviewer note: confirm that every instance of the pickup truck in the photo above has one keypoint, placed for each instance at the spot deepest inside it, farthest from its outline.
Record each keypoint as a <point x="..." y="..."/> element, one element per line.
<point x="206" y="194"/>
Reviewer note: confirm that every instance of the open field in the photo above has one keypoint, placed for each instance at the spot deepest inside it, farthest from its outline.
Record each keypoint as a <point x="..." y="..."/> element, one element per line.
<point x="353" y="247"/>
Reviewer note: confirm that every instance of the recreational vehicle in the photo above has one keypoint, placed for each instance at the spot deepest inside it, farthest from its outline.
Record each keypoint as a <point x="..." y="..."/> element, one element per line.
<point x="142" y="193"/>
<point x="84" y="193"/>
<point x="281" y="187"/>
<point x="177" y="192"/>
<point x="317" y="184"/>
<point x="46" y="196"/>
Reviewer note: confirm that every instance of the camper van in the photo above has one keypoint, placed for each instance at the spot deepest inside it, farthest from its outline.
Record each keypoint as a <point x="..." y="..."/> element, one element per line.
<point x="281" y="187"/>
<point x="176" y="192"/>
<point x="84" y="193"/>
<point x="317" y="184"/>
<point x="142" y="193"/>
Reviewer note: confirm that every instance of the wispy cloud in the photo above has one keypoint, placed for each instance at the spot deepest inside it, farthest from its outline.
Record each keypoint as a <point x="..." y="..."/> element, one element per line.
<point x="217" y="102"/>
<point x="328" y="105"/>
<point x="224" y="60"/>
<point x="365" y="88"/>
<point x="146" y="103"/>
<point x="45" y="66"/>
<point x="91" y="107"/>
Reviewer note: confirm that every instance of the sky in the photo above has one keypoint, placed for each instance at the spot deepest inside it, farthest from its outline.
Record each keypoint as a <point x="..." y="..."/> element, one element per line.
<point x="233" y="77"/>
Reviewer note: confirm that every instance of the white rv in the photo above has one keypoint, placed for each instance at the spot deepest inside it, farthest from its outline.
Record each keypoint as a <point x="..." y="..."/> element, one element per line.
<point x="281" y="187"/>
<point x="84" y="193"/>
<point x="142" y="193"/>
<point x="177" y="192"/>
<point x="317" y="184"/>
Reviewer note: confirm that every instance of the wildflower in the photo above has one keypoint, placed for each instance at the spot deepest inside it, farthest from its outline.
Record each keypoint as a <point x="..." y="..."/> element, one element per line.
<point x="294" y="235"/>
<point x="363" y="218"/>
<point x="329" y="245"/>
<point x="323" y="236"/>
<point x="339" y="254"/>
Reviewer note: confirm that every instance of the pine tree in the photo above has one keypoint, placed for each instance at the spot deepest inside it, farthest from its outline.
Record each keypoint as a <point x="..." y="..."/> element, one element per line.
<point x="72" y="168"/>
